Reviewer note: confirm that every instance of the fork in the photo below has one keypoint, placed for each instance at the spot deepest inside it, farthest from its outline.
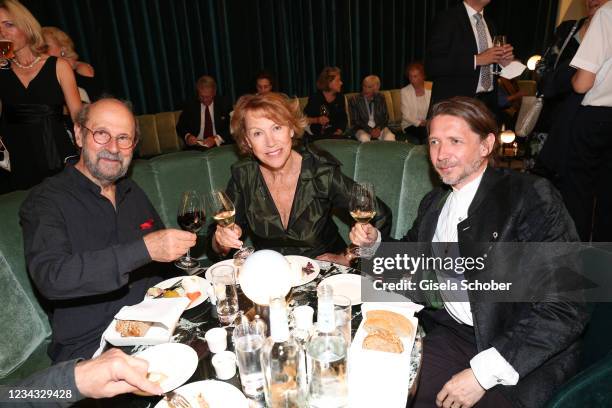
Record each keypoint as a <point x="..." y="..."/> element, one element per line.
<point x="175" y="400"/>
<point x="175" y="286"/>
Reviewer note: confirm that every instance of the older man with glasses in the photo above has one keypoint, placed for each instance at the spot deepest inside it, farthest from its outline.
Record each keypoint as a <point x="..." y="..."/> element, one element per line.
<point x="92" y="237"/>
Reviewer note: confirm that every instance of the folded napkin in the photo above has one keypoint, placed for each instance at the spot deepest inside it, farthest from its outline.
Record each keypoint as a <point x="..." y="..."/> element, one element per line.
<point x="512" y="70"/>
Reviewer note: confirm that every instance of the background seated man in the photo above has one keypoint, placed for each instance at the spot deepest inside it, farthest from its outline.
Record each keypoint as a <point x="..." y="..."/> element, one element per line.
<point x="369" y="114"/>
<point x="415" y="104"/>
<point x="90" y="234"/>
<point x="204" y="121"/>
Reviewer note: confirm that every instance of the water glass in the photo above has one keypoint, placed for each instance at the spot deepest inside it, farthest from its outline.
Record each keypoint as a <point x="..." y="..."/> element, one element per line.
<point x="342" y="309"/>
<point x="248" y="341"/>
<point x="224" y="284"/>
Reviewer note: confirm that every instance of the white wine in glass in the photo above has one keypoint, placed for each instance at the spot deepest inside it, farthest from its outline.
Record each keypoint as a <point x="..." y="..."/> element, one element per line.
<point x="362" y="207"/>
<point x="498" y="41"/>
<point x="222" y="207"/>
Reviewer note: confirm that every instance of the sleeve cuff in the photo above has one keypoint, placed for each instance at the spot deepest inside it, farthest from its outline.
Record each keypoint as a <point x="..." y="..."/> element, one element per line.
<point x="475" y="66"/>
<point x="578" y="62"/>
<point x="491" y="369"/>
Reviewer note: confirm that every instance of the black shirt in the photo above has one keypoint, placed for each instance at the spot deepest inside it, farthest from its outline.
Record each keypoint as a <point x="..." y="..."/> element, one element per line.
<point x="336" y="112"/>
<point x="85" y="257"/>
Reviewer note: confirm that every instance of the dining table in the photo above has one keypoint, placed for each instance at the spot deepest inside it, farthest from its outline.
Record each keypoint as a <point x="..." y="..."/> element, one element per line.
<point x="194" y="323"/>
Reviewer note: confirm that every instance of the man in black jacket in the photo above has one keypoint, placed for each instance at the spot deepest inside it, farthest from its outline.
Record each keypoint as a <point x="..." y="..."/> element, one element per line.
<point x="483" y="352"/>
<point x="204" y="121"/>
<point x="460" y="54"/>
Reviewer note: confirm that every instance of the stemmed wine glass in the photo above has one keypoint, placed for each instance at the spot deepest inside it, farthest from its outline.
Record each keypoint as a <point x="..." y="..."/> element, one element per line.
<point x="498" y="41"/>
<point x="362" y="207"/>
<point x="190" y="218"/>
<point x="6" y="51"/>
<point x="224" y="213"/>
<point x="324" y="112"/>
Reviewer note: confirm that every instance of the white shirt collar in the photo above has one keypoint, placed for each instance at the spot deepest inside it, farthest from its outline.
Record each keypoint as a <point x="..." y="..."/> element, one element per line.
<point x="466" y="193"/>
<point x="471" y="11"/>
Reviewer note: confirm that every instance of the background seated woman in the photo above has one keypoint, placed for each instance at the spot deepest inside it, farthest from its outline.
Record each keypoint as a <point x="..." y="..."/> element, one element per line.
<point x="283" y="192"/>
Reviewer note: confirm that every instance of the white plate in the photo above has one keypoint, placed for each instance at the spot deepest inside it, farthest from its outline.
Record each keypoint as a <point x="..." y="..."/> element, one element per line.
<point x="388" y="373"/>
<point x="202" y="283"/>
<point x="303" y="261"/>
<point x="218" y="395"/>
<point x="346" y="284"/>
<point x="175" y="360"/>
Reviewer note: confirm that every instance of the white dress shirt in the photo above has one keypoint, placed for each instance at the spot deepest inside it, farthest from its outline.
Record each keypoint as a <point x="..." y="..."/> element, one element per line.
<point x="414" y="108"/>
<point x="595" y="55"/>
<point x="489" y="367"/>
<point x="471" y="13"/>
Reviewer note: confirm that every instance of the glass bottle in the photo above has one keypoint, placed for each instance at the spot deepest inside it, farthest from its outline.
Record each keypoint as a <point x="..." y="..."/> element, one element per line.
<point x="327" y="357"/>
<point x="280" y="361"/>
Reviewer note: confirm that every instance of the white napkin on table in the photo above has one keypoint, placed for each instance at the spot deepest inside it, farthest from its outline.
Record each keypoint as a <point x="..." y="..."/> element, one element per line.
<point x="512" y="70"/>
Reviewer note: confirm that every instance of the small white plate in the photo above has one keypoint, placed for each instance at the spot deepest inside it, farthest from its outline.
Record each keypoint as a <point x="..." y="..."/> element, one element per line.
<point x="345" y="284"/>
<point x="202" y="283"/>
<point x="303" y="261"/>
<point x="217" y="394"/>
<point x="175" y="360"/>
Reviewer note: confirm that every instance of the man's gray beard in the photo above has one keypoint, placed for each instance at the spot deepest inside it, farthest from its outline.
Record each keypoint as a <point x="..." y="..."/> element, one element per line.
<point x="104" y="179"/>
<point x="471" y="169"/>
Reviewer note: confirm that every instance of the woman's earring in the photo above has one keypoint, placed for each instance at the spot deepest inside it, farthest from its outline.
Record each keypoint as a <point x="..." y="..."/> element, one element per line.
<point x="62" y="53"/>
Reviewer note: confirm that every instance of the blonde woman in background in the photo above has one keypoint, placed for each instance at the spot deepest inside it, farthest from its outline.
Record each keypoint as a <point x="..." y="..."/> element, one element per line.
<point x="33" y="92"/>
<point x="60" y="45"/>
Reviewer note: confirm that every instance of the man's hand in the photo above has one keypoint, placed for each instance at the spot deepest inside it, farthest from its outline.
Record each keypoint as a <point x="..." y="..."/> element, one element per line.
<point x="113" y="373"/>
<point x="191" y="140"/>
<point x="363" y="235"/>
<point x="462" y="390"/>
<point x="323" y="120"/>
<point x="490" y="56"/>
<point x="341" y="259"/>
<point x="227" y="238"/>
<point x="375" y="133"/>
<point x="168" y="245"/>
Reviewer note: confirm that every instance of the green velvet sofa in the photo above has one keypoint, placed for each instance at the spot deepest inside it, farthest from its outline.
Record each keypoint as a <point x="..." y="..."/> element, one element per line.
<point x="400" y="172"/>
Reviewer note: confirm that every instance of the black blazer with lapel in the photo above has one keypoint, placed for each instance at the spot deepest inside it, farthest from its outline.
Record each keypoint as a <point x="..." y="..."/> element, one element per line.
<point x="449" y="61"/>
<point x="539" y="340"/>
<point x="189" y="121"/>
<point x="360" y="114"/>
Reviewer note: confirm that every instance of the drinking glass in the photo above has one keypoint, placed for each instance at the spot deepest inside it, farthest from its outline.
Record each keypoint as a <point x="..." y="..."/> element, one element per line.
<point x="248" y="341"/>
<point x="324" y="112"/>
<point x="342" y="314"/>
<point x="362" y="207"/>
<point x="224" y="212"/>
<point x="6" y="52"/>
<point x="498" y="41"/>
<point x="190" y="218"/>
<point x="224" y="285"/>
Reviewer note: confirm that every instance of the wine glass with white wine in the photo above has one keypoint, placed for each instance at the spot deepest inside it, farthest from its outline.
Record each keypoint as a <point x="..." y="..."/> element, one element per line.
<point x="362" y="206"/>
<point x="498" y="41"/>
<point x="222" y="207"/>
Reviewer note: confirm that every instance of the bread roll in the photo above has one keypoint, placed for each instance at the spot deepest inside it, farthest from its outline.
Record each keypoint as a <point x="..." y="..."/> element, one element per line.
<point x="383" y="340"/>
<point x="390" y="321"/>
<point x="132" y="328"/>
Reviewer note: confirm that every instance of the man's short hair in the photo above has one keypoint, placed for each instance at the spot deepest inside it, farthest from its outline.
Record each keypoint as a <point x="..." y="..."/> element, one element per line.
<point x="372" y="79"/>
<point x="473" y="111"/>
<point x="206" y="81"/>
<point x="83" y="115"/>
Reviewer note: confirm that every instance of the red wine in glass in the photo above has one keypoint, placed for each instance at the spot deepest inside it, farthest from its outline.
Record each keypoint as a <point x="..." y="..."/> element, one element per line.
<point x="190" y="221"/>
<point x="190" y="217"/>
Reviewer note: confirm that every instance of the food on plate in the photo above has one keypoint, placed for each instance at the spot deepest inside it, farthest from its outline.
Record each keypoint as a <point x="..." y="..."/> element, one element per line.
<point x="202" y="401"/>
<point x="132" y="328"/>
<point x="187" y="287"/>
<point x="155" y="377"/>
<point x="308" y="268"/>
<point x="383" y="340"/>
<point x="389" y="321"/>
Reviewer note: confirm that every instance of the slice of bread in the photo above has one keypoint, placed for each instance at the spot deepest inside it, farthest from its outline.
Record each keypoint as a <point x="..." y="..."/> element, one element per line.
<point x="390" y="321"/>
<point x="132" y="328"/>
<point x="383" y="340"/>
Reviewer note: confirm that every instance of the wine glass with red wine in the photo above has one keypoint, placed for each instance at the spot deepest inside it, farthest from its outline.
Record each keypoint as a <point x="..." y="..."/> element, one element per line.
<point x="190" y="218"/>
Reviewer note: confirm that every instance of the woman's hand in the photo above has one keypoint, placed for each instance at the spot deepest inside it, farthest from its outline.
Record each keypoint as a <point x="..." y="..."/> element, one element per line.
<point x="363" y="235"/>
<point x="227" y="238"/>
<point x="341" y="259"/>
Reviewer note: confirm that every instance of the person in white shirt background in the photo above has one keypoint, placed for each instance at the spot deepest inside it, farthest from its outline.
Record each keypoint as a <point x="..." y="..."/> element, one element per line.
<point x="415" y="104"/>
<point x="586" y="185"/>
<point x="483" y="353"/>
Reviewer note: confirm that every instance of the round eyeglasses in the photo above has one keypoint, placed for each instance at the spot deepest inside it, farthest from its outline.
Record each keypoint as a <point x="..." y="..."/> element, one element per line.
<point x="102" y="137"/>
